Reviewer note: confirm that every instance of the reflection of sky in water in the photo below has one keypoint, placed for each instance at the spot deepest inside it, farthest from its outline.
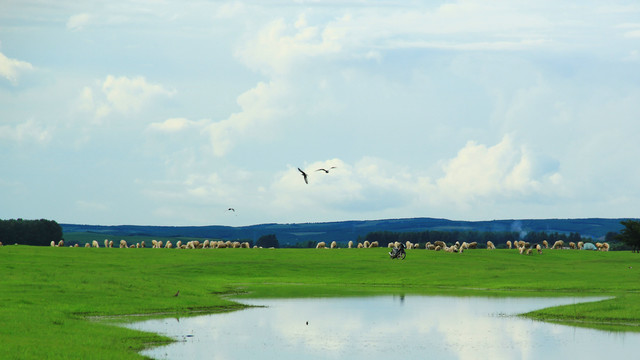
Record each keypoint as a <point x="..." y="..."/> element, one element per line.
<point x="386" y="327"/>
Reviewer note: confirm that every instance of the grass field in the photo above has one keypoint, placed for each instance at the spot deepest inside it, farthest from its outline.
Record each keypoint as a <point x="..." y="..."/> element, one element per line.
<point x="49" y="296"/>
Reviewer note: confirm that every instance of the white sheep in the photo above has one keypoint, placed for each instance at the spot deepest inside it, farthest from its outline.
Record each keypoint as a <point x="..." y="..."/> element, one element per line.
<point x="490" y="245"/>
<point x="168" y="245"/>
<point x="123" y="244"/>
<point x="87" y="245"/>
<point x="53" y="243"/>
<point x="366" y="244"/>
<point x="142" y="245"/>
<point x="545" y="244"/>
<point x="95" y="244"/>
<point x="360" y="246"/>
<point x="509" y="244"/>
<point x="334" y="245"/>
<point x="350" y="244"/>
<point x="558" y="244"/>
<point x="321" y="245"/>
<point x="539" y="248"/>
<point x="374" y="244"/>
<point x="580" y="245"/>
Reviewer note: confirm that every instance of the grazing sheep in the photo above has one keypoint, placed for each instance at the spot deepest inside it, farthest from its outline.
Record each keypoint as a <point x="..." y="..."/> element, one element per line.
<point x="545" y="244"/>
<point x="430" y="247"/>
<point x="87" y="245"/>
<point x="142" y="245"/>
<point x="178" y="244"/>
<point x="408" y="245"/>
<point x="222" y="245"/>
<point x="321" y="245"/>
<point x="580" y="245"/>
<point x="95" y="244"/>
<point x="440" y="243"/>
<point x="572" y="245"/>
<point x="539" y="248"/>
<point x="490" y="245"/>
<point x="123" y="244"/>
<point x="366" y="244"/>
<point x="53" y="243"/>
<point x="605" y="247"/>
<point x="473" y="245"/>
<point x="246" y="245"/>
<point x="438" y="248"/>
<point x="159" y="244"/>
<point x="236" y="245"/>
<point x="509" y="244"/>
<point x="529" y="251"/>
<point x="558" y="244"/>
<point x="390" y="245"/>
<point x="374" y="244"/>
<point x="168" y="245"/>
<point x="416" y="246"/>
<point x="521" y="249"/>
<point x="350" y="244"/>
<point x="464" y="245"/>
<point x="360" y="246"/>
<point x="334" y="245"/>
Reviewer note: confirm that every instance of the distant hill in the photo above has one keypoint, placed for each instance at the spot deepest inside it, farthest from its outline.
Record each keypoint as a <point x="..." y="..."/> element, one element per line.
<point x="343" y="231"/>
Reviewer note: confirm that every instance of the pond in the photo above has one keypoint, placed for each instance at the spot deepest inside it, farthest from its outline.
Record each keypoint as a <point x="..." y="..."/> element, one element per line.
<point x="386" y="327"/>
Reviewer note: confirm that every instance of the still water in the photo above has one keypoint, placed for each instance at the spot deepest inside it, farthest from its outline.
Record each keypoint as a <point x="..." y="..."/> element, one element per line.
<point x="387" y="327"/>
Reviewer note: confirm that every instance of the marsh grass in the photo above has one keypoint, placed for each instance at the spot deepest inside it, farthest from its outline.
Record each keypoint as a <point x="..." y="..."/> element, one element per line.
<point x="52" y="300"/>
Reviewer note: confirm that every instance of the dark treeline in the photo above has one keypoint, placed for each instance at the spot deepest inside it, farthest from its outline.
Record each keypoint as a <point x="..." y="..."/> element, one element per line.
<point x="481" y="237"/>
<point x="30" y="232"/>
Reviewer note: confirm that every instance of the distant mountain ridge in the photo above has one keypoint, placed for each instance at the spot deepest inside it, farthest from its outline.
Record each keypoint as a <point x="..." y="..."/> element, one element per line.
<point x="343" y="231"/>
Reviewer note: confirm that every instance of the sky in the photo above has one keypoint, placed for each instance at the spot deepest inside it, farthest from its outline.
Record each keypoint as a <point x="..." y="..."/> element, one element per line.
<point x="170" y="112"/>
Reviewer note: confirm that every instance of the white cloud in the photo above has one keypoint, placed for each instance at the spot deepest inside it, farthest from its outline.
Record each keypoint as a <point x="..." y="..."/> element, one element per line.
<point x="260" y="108"/>
<point x="130" y="94"/>
<point x="29" y="130"/>
<point x="503" y="170"/>
<point x="122" y="94"/>
<point x="176" y="125"/>
<point x="78" y="21"/>
<point x="12" y="69"/>
<point x="280" y="44"/>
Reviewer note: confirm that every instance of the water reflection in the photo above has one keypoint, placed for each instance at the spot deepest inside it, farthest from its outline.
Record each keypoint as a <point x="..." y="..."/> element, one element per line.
<point x="388" y="327"/>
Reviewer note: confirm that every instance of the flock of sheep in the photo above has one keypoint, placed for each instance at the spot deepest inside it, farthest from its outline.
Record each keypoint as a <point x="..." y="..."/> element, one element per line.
<point x="523" y="247"/>
<point x="168" y="245"/>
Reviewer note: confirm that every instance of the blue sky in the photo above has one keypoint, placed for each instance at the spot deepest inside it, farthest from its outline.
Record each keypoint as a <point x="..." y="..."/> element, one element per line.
<point x="169" y="113"/>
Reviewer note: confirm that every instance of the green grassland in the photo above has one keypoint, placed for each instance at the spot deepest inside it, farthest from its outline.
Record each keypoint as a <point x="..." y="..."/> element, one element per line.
<point x="50" y="297"/>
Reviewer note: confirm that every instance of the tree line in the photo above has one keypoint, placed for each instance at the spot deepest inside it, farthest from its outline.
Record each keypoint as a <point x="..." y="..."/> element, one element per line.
<point x="30" y="232"/>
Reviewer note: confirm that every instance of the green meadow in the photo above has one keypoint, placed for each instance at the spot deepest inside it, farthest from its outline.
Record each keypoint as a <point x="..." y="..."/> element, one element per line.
<point x="60" y="303"/>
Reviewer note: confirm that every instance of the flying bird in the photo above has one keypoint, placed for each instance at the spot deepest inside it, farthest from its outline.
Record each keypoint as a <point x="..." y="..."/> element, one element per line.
<point x="231" y="209"/>
<point x="304" y="175"/>
<point x="325" y="170"/>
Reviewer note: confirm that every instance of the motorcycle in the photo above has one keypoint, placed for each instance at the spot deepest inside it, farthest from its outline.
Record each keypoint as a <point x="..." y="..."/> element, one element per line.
<point x="398" y="253"/>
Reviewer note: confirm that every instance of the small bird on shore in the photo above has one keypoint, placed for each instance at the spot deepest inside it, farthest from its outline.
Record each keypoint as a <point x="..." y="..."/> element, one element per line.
<point x="326" y="171"/>
<point x="304" y="175"/>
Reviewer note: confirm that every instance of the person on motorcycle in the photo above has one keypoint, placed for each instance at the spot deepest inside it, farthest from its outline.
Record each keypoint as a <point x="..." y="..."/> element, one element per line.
<point x="396" y="250"/>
